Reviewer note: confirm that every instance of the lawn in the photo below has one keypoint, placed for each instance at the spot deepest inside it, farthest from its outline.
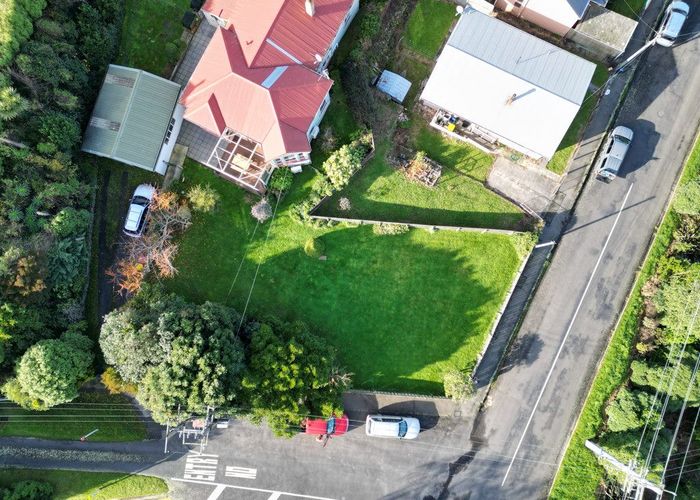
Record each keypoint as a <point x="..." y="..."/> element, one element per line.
<point x="150" y="38"/>
<point x="382" y="192"/>
<point x="629" y="8"/>
<point x="580" y="470"/>
<point x="428" y="26"/>
<point x="113" y="415"/>
<point x="560" y="160"/>
<point x="400" y="309"/>
<point x="78" y="485"/>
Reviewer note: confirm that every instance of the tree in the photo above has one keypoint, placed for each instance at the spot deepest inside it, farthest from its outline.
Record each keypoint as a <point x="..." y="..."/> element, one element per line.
<point x="458" y="385"/>
<point x="175" y="352"/>
<point x="281" y="180"/>
<point x="58" y="132"/>
<point x="688" y="199"/>
<point x="629" y="410"/>
<point x="654" y="377"/>
<point x="291" y="374"/>
<point x="49" y="373"/>
<point x="28" y="490"/>
<point x="343" y="163"/>
<point x="20" y="327"/>
<point x="11" y="104"/>
<point x="676" y="302"/>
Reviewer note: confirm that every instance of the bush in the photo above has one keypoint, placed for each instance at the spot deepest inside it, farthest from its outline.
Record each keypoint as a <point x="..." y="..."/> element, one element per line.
<point x="29" y="490"/>
<point x="629" y="410"/>
<point x="11" y="104"/>
<point x="281" y="180"/>
<point x="343" y="163"/>
<point x="115" y="384"/>
<point x="344" y="204"/>
<point x="369" y="27"/>
<point x="458" y="385"/>
<point x="203" y="198"/>
<point x="314" y="247"/>
<point x="58" y="132"/>
<point x="384" y="228"/>
<point x="261" y="211"/>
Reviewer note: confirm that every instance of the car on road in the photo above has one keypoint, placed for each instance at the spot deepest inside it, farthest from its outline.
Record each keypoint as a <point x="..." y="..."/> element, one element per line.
<point x="392" y="427"/>
<point x="331" y="426"/>
<point x="135" y="221"/>
<point x="676" y="14"/>
<point x="614" y="152"/>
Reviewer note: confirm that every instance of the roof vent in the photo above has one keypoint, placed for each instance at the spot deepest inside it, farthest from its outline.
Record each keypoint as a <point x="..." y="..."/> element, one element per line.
<point x="310" y="7"/>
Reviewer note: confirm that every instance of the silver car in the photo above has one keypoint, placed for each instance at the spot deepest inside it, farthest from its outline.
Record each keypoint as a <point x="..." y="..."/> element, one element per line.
<point x="138" y="209"/>
<point x="676" y="14"/>
<point x="392" y="427"/>
<point x="614" y="152"/>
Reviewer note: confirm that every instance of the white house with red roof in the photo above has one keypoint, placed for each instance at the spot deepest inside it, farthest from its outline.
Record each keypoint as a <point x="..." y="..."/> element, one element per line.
<point x="261" y="86"/>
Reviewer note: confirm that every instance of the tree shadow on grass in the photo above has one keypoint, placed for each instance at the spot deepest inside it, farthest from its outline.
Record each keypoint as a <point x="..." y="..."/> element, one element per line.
<point x="398" y="309"/>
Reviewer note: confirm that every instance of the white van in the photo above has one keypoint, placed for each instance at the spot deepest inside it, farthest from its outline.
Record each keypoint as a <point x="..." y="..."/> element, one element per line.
<point x="392" y="427"/>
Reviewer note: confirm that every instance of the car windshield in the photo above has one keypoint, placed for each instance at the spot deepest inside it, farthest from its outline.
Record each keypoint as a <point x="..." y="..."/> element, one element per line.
<point x="403" y="428"/>
<point x="623" y="140"/>
<point x="140" y="200"/>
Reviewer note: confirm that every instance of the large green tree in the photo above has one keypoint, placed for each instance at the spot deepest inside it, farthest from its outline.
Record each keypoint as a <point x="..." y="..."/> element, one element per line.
<point x="677" y="300"/>
<point x="51" y="371"/>
<point x="176" y="352"/>
<point x="292" y="373"/>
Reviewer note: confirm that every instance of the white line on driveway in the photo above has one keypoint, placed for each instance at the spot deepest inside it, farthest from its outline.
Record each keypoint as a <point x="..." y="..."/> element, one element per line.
<point x="568" y="331"/>
<point x="248" y="488"/>
<point x="275" y="496"/>
<point x="217" y="492"/>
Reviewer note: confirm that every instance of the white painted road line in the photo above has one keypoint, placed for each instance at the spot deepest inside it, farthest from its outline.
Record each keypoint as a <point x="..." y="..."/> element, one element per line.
<point x="241" y="472"/>
<point x="248" y="488"/>
<point x="274" y="496"/>
<point x="568" y="331"/>
<point x="217" y="492"/>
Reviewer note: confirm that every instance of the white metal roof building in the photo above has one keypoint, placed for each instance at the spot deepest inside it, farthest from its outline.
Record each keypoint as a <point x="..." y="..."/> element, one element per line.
<point x="510" y="85"/>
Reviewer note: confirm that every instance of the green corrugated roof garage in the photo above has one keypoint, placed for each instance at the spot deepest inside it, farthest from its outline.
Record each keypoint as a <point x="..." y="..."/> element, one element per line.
<point x="131" y="117"/>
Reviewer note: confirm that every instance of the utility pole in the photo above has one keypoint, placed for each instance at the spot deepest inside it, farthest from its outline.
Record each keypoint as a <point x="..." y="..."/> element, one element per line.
<point x="621" y="67"/>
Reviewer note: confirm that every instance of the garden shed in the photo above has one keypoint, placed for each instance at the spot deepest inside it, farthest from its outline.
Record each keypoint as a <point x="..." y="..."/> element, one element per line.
<point x="136" y="119"/>
<point x="393" y="85"/>
<point x="498" y="84"/>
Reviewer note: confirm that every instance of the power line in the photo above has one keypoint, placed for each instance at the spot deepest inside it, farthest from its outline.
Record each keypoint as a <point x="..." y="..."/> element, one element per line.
<point x="245" y="254"/>
<point x="690" y="440"/>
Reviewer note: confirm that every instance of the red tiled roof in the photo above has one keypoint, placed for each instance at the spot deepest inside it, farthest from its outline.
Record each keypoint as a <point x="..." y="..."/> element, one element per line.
<point x="266" y="26"/>
<point x="272" y="106"/>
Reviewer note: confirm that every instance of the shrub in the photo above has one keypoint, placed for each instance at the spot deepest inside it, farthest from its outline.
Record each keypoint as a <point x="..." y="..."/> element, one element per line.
<point x="369" y="27"/>
<point x="458" y="385"/>
<point x="344" y="204"/>
<point x="70" y="221"/>
<point x="58" y="132"/>
<point x="343" y="163"/>
<point x="629" y="410"/>
<point x="281" y="180"/>
<point x="322" y="186"/>
<point x="29" y="490"/>
<point x="203" y="198"/>
<point x="314" y="247"/>
<point x="384" y="228"/>
<point x="261" y="211"/>
<point x="115" y="384"/>
<point x="11" y="104"/>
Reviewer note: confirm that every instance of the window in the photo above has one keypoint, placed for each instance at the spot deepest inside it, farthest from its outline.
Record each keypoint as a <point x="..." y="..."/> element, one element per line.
<point x="171" y="126"/>
<point x="403" y="428"/>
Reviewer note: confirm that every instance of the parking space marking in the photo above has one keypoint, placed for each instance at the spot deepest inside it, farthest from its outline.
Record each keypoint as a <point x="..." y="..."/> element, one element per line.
<point x="241" y="472"/>
<point x="249" y="488"/>
<point x="274" y="496"/>
<point x="217" y="492"/>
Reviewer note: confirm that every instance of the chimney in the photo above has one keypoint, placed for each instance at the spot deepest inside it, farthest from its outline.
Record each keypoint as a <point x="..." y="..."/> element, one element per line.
<point x="310" y="7"/>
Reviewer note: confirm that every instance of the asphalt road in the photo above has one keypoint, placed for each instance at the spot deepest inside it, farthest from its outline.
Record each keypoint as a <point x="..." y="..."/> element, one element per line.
<point x="585" y="288"/>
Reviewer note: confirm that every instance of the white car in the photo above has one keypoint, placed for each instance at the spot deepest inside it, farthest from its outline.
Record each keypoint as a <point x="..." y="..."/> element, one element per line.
<point x="614" y="152"/>
<point x="676" y="14"/>
<point x="392" y="427"/>
<point x="138" y="209"/>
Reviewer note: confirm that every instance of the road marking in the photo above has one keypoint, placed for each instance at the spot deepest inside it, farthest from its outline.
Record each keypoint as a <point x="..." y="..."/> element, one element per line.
<point x="217" y="492"/>
<point x="201" y="466"/>
<point x="241" y="472"/>
<point x="568" y="331"/>
<point x="274" y="496"/>
<point x="248" y="488"/>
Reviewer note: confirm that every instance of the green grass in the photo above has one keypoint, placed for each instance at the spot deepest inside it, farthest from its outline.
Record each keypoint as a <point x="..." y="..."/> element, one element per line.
<point x="339" y="116"/>
<point x="561" y="158"/>
<point x="580" y="471"/>
<point x="150" y="38"/>
<point x="399" y="309"/>
<point x="91" y="410"/>
<point x="629" y="8"/>
<point x="428" y="26"/>
<point x="382" y="192"/>
<point x="78" y="485"/>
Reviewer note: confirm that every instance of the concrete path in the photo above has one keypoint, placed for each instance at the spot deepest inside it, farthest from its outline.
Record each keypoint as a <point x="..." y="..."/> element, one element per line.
<point x="534" y="187"/>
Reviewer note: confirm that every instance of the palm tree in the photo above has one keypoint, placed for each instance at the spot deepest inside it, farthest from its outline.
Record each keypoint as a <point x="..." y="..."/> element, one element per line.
<point x="12" y="104"/>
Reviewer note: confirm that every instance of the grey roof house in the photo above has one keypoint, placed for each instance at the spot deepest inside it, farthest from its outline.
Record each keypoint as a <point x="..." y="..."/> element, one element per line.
<point x="136" y="119"/>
